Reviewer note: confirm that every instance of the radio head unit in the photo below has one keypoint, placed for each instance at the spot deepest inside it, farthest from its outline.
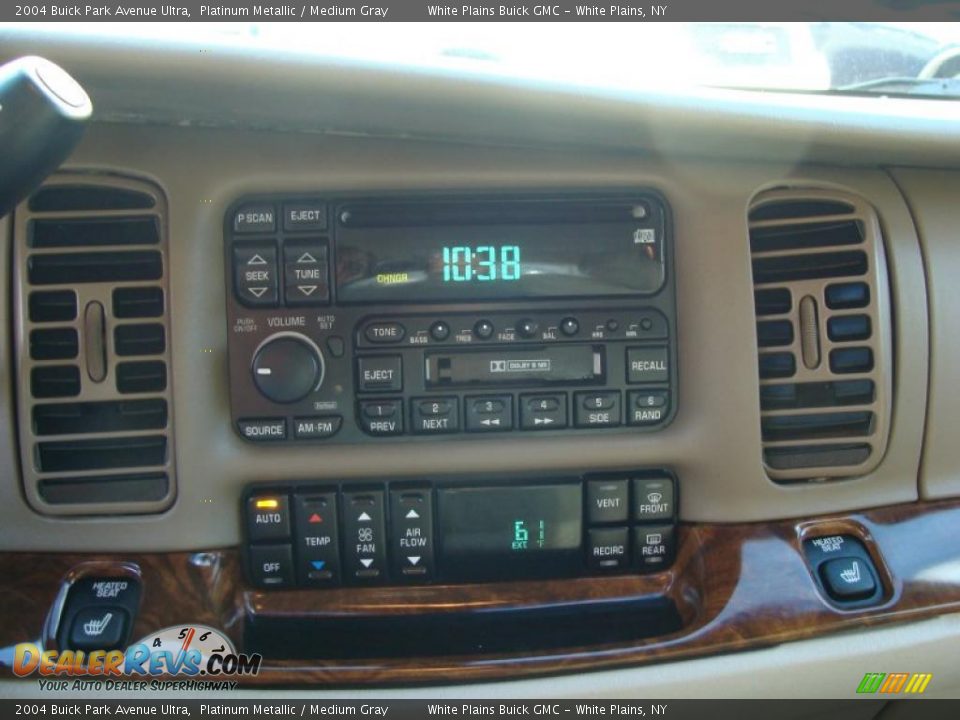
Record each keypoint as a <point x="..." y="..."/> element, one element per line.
<point x="358" y="319"/>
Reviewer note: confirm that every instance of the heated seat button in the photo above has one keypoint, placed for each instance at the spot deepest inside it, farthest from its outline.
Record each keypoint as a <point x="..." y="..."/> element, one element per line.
<point x="596" y="409"/>
<point x="381" y="417"/>
<point x="489" y="413"/>
<point x="411" y="539"/>
<point x="543" y="412"/>
<point x="364" y="536"/>
<point x="848" y="578"/>
<point x="608" y="549"/>
<point x="435" y="415"/>
<point x="255" y="274"/>
<point x="316" y="538"/>
<point x="306" y="273"/>
<point x="271" y="566"/>
<point x="607" y="501"/>
<point x="382" y="373"/>
<point x="268" y="518"/>
<point x="653" y="546"/>
<point x="101" y="627"/>
<point x="653" y="499"/>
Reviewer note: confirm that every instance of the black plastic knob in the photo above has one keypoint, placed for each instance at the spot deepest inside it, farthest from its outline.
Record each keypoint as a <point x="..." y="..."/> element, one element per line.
<point x="483" y="329"/>
<point x="287" y="368"/>
<point x="527" y="328"/>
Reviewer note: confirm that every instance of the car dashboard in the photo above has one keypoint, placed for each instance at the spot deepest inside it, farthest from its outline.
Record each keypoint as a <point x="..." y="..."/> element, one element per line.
<point x="403" y="379"/>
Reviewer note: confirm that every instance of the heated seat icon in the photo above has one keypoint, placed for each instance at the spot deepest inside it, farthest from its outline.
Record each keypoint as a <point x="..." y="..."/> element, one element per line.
<point x="95" y="627"/>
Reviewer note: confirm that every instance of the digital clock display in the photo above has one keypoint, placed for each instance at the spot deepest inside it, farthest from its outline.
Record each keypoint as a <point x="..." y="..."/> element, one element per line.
<point x="483" y="263"/>
<point x="400" y="253"/>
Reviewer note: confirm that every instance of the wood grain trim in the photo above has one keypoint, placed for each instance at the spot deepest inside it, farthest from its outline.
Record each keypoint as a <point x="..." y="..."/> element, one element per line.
<point x="737" y="586"/>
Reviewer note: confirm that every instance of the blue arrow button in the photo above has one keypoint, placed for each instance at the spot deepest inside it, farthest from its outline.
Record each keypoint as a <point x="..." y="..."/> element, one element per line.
<point x="318" y="564"/>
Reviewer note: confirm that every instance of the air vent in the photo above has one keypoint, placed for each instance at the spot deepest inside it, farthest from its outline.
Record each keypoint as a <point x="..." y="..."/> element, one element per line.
<point x="93" y="346"/>
<point x="823" y="333"/>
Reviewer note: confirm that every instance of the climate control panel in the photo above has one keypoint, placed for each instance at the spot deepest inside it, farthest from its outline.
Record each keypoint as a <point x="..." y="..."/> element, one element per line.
<point x="324" y="535"/>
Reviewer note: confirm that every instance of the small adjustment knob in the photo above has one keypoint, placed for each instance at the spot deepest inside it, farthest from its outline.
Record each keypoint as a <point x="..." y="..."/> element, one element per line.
<point x="287" y="368"/>
<point x="527" y="328"/>
<point x="569" y="326"/>
<point x="439" y="331"/>
<point x="483" y="329"/>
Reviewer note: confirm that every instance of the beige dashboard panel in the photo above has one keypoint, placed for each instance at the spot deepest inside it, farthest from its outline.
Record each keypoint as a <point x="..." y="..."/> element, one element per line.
<point x="714" y="442"/>
<point x="932" y="196"/>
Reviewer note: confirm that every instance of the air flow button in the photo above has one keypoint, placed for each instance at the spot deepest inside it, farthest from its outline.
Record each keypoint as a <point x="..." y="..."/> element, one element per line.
<point x="411" y="513"/>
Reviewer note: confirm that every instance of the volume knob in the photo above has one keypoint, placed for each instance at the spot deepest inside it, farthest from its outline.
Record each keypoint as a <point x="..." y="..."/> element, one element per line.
<point x="287" y="367"/>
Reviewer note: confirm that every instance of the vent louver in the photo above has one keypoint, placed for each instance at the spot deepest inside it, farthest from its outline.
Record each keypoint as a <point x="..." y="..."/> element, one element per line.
<point x="93" y="346"/>
<point x="821" y="300"/>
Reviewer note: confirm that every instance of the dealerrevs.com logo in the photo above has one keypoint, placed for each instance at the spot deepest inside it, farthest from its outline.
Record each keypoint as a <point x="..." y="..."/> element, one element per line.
<point x="186" y="652"/>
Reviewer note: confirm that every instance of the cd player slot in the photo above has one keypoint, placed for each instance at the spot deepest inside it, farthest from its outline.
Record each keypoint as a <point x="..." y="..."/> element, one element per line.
<point x="530" y="366"/>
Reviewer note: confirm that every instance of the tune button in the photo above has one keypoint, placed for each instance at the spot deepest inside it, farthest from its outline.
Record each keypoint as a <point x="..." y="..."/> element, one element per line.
<point x="569" y="326"/>
<point x="483" y="329"/>
<point x="439" y="331"/>
<point x="527" y="328"/>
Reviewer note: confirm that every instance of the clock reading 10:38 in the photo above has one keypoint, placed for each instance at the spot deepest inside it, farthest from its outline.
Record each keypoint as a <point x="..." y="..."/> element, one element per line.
<point x="484" y="263"/>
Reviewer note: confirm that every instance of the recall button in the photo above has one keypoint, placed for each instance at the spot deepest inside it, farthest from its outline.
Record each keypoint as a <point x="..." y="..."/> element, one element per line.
<point x="383" y="333"/>
<point x="647" y="365"/>
<point x="265" y="429"/>
<point x="316" y="428"/>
